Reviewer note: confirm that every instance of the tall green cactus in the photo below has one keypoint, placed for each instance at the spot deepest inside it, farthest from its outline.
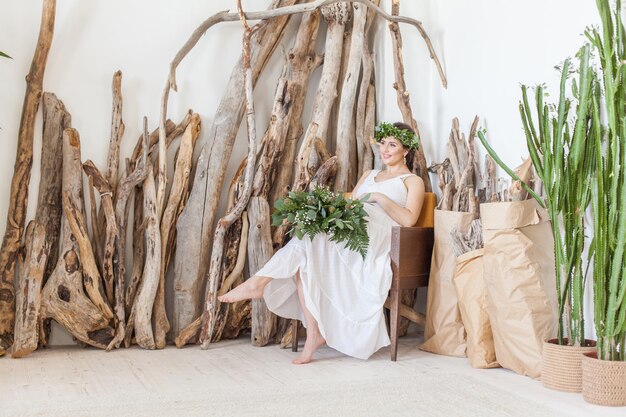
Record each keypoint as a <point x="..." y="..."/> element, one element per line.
<point x="609" y="186"/>
<point x="563" y="156"/>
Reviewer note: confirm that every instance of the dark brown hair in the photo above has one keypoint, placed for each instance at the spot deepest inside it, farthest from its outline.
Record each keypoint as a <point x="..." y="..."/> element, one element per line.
<point x="410" y="157"/>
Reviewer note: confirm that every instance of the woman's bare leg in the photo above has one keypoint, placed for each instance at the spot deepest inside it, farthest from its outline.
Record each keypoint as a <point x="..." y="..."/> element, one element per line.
<point x="314" y="338"/>
<point x="248" y="290"/>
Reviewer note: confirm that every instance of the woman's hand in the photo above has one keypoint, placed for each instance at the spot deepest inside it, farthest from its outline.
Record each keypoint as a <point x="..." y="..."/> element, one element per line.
<point x="372" y="197"/>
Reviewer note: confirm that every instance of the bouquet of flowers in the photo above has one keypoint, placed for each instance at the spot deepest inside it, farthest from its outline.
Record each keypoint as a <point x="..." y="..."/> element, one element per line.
<point x="323" y="211"/>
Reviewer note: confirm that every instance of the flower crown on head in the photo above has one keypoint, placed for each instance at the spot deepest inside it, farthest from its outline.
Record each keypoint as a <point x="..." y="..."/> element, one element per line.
<point x="407" y="138"/>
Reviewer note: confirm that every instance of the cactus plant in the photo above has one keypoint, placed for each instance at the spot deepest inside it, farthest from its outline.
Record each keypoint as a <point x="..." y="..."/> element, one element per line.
<point x="609" y="187"/>
<point x="563" y="156"/>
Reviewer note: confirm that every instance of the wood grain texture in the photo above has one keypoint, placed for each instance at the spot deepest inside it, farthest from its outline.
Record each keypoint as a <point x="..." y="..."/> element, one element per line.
<point x="16" y="214"/>
<point x="31" y="273"/>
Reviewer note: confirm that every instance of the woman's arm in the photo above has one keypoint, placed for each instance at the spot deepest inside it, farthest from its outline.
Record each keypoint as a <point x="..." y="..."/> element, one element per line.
<point x="404" y="216"/>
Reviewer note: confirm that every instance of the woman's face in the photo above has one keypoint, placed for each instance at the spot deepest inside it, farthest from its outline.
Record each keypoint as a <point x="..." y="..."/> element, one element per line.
<point x="391" y="151"/>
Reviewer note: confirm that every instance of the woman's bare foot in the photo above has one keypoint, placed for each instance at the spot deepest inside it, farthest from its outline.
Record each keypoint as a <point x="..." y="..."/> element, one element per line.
<point x="250" y="289"/>
<point x="313" y="342"/>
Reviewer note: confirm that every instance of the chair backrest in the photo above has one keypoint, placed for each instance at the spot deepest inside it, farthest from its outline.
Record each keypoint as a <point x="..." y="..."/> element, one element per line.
<point x="427" y="215"/>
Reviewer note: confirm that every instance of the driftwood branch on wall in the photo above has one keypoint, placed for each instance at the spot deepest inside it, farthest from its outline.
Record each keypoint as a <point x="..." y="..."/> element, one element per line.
<point x="63" y="298"/>
<point x="31" y="272"/>
<point x="175" y="204"/>
<point x="404" y="104"/>
<point x="209" y="314"/>
<point x="276" y="159"/>
<point x="16" y="217"/>
<point x="197" y="219"/>
<point x="345" y="147"/>
<point x="49" y="207"/>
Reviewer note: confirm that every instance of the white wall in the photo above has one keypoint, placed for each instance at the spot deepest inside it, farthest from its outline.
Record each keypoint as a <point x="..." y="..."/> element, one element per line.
<point x="487" y="48"/>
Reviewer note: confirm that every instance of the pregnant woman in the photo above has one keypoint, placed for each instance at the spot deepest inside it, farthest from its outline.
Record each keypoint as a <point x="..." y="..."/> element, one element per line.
<point x="338" y="294"/>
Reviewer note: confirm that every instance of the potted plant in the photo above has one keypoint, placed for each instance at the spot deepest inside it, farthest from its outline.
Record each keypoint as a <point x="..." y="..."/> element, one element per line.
<point x="604" y="372"/>
<point x="563" y="155"/>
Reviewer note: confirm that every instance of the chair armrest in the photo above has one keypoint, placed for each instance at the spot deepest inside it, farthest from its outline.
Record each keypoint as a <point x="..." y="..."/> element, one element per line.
<point x="411" y="252"/>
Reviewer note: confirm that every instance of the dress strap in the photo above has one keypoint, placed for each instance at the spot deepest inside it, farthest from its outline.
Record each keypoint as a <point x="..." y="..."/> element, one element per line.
<point x="403" y="176"/>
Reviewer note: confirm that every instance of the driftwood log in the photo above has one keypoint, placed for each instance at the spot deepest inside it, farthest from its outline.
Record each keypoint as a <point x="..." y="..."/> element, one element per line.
<point x="144" y="301"/>
<point x="233" y="318"/>
<point x="63" y="298"/>
<point x="365" y="107"/>
<point x="260" y="250"/>
<point x="175" y="204"/>
<point x="138" y="264"/>
<point x="92" y="280"/>
<point x="31" y="272"/>
<point x="404" y="104"/>
<point x="49" y="205"/>
<point x="286" y="121"/>
<point x="100" y="183"/>
<point x="471" y="239"/>
<point x="238" y="315"/>
<point x="124" y="190"/>
<point x="210" y="311"/>
<point x="459" y="174"/>
<point x="117" y="132"/>
<point x="345" y="147"/>
<point x="16" y="215"/>
<point x="197" y="219"/>
<point x="232" y="267"/>
<point x="337" y="15"/>
<point x="111" y="175"/>
<point x="279" y="147"/>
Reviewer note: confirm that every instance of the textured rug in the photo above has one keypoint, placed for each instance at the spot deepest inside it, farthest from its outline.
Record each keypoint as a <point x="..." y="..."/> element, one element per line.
<point x="235" y="379"/>
<point x="443" y="395"/>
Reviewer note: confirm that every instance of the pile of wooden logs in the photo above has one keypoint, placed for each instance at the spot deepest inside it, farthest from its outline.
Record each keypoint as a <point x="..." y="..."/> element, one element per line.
<point x="71" y="260"/>
<point x="464" y="186"/>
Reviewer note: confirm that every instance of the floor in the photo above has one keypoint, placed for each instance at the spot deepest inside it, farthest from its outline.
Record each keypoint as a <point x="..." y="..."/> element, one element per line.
<point x="235" y="379"/>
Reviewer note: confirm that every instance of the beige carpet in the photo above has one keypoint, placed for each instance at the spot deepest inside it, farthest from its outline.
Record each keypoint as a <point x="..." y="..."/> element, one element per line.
<point x="235" y="379"/>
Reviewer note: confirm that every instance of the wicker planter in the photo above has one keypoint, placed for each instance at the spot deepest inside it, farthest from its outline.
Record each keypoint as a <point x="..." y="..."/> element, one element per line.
<point x="604" y="382"/>
<point x="561" y="365"/>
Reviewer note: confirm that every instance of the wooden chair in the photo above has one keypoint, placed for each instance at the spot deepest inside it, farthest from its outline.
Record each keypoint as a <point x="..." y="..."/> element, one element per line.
<point x="411" y="251"/>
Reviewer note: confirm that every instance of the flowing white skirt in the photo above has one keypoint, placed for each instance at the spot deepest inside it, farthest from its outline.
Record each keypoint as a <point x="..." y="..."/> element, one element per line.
<point x="344" y="292"/>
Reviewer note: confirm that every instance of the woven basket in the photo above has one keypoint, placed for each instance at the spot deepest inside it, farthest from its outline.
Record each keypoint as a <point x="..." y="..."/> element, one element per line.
<point x="604" y="382"/>
<point x="561" y="366"/>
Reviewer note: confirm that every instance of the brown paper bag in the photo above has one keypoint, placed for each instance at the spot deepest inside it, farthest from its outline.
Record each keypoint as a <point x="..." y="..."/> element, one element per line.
<point x="519" y="273"/>
<point x="472" y="294"/>
<point x="444" y="333"/>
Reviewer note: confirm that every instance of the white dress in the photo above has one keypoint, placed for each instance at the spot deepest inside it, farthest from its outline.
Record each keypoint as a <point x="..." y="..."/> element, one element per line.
<point x="344" y="292"/>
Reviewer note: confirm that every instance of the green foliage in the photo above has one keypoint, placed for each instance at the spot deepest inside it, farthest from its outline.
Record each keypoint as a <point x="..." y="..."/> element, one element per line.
<point x="609" y="185"/>
<point x="2" y="54"/>
<point x="406" y="137"/>
<point x="323" y="211"/>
